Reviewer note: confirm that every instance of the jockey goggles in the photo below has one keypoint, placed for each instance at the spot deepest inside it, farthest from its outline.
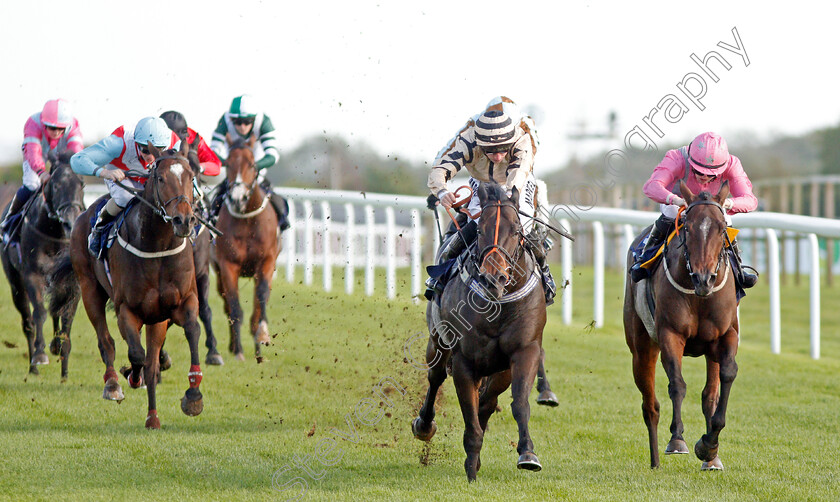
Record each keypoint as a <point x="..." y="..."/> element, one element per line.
<point x="504" y="147"/>
<point x="243" y="121"/>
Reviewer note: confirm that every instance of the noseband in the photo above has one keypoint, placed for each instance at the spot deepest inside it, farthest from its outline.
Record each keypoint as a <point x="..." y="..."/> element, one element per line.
<point x="158" y="207"/>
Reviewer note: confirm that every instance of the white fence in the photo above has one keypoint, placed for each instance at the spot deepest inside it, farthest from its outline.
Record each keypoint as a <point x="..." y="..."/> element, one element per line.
<point x="358" y="240"/>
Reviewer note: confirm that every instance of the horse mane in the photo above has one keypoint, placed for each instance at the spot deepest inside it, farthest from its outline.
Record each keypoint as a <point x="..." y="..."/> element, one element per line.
<point x="239" y="143"/>
<point x="704" y="195"/>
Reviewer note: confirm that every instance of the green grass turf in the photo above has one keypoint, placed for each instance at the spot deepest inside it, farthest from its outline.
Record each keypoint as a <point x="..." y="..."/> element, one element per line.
<point x="64" y="441"/>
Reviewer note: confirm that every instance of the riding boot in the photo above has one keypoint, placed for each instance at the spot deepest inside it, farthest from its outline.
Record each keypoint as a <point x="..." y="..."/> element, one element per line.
<point x="94" y="238"/>
<point x="547" y="279"/>
<point x="218" y="199"/>
<point x="21" y="197"/>
<point x="744" y="274"/>
<point x="281" y="207"/>
<point x="661" y="228"/>
<point x="453" y="245"/>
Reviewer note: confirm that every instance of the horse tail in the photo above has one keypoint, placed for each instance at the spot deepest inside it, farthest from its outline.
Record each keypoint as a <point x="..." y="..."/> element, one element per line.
<point x="63" y="287"/>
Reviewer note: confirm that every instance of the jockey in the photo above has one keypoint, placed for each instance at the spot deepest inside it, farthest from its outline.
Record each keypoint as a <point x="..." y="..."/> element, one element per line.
<point x="241" y="121"/>
<point x="202" y="159"/>
<point x="53" y="129"/>
<point x="498" y="145"/>
<point x="704" y="165"/>
<point x="113" y="157"/>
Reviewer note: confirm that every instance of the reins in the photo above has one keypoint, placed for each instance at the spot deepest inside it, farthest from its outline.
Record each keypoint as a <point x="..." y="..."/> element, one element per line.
<point x="683" y="243"/>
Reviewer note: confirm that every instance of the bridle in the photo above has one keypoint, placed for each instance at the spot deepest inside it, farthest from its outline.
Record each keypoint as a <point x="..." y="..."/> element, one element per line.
<point x="158" y="207"/>
<point x="683" y="243"/>
<point x="507" y="261"/>
<point x="54" y="213"/>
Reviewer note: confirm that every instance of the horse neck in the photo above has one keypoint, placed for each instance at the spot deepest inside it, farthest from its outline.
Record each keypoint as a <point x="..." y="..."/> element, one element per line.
<point x="39" y="217"/>
<point x="521" y="271"/>
<point x="146" y="225"/>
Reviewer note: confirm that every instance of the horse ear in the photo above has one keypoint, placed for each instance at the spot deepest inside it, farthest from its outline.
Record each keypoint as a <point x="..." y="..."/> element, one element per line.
<point x="154" y="150"/>
<point x="723" y="193"/>
<point x="251" y="140"/>
<point x="514" y="196"/>
<point x="482" y="193"/>
<point x="185" y="147"/>
<point x="686" y="192"/>
<point x="228" y="139"/>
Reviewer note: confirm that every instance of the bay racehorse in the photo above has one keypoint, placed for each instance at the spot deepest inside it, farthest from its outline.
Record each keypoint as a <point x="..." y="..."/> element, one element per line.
<point x="45" y="228"/>
<point x="488" y="329"/>
<point x="248" y="246"/>
<point x="695" y="314"/>
<point x="149" y="275"/>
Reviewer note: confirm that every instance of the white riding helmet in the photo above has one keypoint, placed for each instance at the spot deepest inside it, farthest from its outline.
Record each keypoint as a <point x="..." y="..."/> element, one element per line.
<point x="152" y="130"/>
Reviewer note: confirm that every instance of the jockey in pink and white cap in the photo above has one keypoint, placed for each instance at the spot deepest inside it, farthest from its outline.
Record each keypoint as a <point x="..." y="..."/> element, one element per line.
<point x="52" y="130"/>
<point x="704" y="165"/>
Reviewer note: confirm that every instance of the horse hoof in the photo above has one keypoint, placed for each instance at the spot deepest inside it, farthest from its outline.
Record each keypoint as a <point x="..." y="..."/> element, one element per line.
<point x="423" y="433"/>
<point x="676" y="447"/>
<point x="192" y="403"/>
<point x="713" y="465"/>
<point x="40" y="358"/>
<point x="33" y="369"/>
<point x="165" y="361"/>
<point x="135" y="385"/>
<point x="529" y="461"/>
<point x="152" y="421"/>
<point x="240" y="356"/>
<point x="262" y="337"/>
<point x="703" y="452"/>
<point x="113" y="391"/>
<point x="548" y="398"/>
<point x="55" y="346"/>
<point x="214" y="359"/>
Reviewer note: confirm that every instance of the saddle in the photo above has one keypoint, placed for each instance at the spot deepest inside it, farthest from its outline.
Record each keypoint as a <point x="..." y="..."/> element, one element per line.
<point x="109" y="231"/>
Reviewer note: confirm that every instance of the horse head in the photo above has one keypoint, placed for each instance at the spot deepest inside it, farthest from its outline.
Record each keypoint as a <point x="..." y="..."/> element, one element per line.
<point x="170" y="189"/>
<point x="64" y="192"/>
<point x="499" y="237"/>
<point x="704" y="236"/>
<point x="241" y="174"/>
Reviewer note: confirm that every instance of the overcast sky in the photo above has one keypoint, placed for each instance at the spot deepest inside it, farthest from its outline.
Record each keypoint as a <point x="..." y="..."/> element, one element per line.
<point x="404" y="76"/>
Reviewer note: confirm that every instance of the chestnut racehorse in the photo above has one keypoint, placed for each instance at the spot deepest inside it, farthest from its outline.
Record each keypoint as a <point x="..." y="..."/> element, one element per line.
<point x="248" y="246"/>
<point x="149" y="275"/>
<point x="693" y="291"/>
<point x="488" y="325"/>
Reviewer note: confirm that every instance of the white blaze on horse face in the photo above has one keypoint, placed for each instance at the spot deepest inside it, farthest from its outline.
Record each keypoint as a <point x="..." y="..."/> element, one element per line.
<point x="177" y="169"/>
<point x="704" y="228"/>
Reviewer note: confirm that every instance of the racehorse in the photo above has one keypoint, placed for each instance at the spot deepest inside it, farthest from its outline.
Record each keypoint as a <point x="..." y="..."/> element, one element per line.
<point x="488" y="325"/>
<point x="693" y="292"/>
<point x="46" y="222"/>
<point x="248" y="246"/>
<point x="149" y="276"/>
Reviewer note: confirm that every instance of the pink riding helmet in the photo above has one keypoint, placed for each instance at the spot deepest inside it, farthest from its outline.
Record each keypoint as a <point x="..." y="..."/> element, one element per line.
<point x="709" y="154"/>
<point x="56" y="113"/>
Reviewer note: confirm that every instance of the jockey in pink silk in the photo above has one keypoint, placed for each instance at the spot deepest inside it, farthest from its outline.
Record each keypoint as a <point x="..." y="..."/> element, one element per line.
<point x="704" y="165"/>
<point x="53" y="129"/>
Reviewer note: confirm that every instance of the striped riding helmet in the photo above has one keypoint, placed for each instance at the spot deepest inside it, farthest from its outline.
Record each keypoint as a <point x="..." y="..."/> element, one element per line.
<point x="494" y="127"/>
<point x="56" y="113"/>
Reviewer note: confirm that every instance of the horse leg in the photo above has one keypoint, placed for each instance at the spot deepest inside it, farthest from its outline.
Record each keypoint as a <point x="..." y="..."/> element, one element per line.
<point x="546" y="397"/>
<point x="424" y="426"/>
<point x="645" y="354"/>
<point x="229" y="277"/>
<point x="34" y="290"/>
<point x="488" y="400"/>
<point x="130" y="325"/>
<point x="259" y="319"/>
<point x="466" y="386"/>
<point x="672" y="346"/>
<point x="19" y="298"/>
<point x="706" y="448"/>
<point x="192" y="403"/>
<point x="202" y="283"/>
<point x="155" y="335"/>
<point x="64" y="342"/>
<point x="94" y="299"/>
<point x="523" y="371"/>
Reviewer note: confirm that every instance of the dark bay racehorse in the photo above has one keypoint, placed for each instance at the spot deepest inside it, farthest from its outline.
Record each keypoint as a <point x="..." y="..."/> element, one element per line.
<point x="149" y="275"/>
<point x="46" y="223"/>
<point x="201" y="256"/>
<point x="489" y="326"/>
<point x="693" y="291"/>
<point x="248" y="246"/>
